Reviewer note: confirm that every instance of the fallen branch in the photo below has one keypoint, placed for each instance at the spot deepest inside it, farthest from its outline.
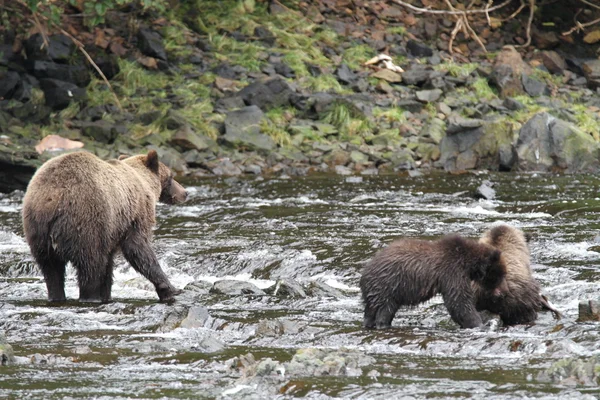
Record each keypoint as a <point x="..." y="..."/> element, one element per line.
<point x="446" y="12"/>
<point x="77" y="43"/>
<point x="81" y="47"/>
<point x="529" y="22"/>
<point x="462" y="23"/>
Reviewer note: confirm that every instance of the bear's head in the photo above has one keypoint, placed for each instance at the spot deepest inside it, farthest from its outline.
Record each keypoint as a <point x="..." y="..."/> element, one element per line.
<point x="490" y="271"/>
<point x="171" y="192"/>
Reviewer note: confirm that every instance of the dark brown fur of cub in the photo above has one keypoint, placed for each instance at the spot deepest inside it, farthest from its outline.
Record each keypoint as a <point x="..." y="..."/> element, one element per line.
<point x="409" y="271"/>
<point x="82" y="209"/>
<point x="522" y="301"/>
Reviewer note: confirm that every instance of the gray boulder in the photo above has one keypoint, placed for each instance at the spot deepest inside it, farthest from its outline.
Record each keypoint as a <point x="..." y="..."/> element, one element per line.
<point x="267" y="94"/>
<point x="547" y="143"/>
<point x="489" y="146"/>
<point x="242" y="129"/>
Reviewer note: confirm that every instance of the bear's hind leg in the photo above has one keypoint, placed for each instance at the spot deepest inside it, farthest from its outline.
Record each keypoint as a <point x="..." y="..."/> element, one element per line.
<point x="53" y="268"/>
<point x="92" y="278"/>
<point x="138" y="252"/>
<point x="107" y="281"/>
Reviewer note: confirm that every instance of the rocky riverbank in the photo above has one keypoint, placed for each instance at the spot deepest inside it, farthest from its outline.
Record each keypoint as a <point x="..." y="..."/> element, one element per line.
<point x="269" y="88"/>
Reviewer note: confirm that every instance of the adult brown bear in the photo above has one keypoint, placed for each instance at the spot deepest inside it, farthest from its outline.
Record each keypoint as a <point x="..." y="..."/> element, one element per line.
<point x="409" y="271"/>
<point x="521" y="303"/>
<point x="82" y="209"/>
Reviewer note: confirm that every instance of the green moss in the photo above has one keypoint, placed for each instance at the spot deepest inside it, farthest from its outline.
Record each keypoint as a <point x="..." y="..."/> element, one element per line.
<point x="396" y="30"/>
<point x="394" y="114"/>
<point x="70" y="112"/>
<point x="457" y="70"/>
<point x="586" y="120"/>
<point x="356" y="56"/>
<point x="483" y="90"/>
<point x="547" y="77"/>
<point x="280" y="115"/>
<point x="37" y="96"/>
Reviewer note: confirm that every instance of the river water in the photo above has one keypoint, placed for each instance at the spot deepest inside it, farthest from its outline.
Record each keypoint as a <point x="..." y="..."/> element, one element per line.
<point x="316" y="229"/>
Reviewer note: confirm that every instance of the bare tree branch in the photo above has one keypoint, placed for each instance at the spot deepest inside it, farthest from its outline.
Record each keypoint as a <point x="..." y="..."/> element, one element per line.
<point x="529" y="22"/>
<point x="446" y="12"/>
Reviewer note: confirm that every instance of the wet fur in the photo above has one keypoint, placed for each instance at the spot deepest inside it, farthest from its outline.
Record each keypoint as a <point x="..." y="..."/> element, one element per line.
<point x="410" y="271"/>
<point x="521" y="303"/>
<point x="81" y="209"/>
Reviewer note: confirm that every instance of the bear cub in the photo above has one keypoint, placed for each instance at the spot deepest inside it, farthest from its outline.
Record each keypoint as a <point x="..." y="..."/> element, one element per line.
<point x="522" y="301"/>
<point x="82" y="209"/>
<point x="411" y="271"/>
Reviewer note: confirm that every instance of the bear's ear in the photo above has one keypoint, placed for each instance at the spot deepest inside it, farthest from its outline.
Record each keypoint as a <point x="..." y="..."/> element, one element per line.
<point x="123" y="156"/>
<point x="495" y="257"/>
<point x="152" y="161"/>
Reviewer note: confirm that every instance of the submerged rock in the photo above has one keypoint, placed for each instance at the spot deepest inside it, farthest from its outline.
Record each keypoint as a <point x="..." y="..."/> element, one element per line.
<point x="236" y="288"/>
<point x="269" y="327"/>
<point x="573" y="371"/>
<point x="589" y="310"/>
<point x="199" y="317"/>
<point x="199" y="287"/>
<point x="306" y="362"/>
<point x="287" y="288"/>
<point x="485" y="191"/>
<point x="322" y="289"/>
<point x="7" y="355"/>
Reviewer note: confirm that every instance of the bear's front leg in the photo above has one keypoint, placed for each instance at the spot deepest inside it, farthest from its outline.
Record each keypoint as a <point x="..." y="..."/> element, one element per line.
<point x="461" y="306"/>
<point x="138" y="252"/>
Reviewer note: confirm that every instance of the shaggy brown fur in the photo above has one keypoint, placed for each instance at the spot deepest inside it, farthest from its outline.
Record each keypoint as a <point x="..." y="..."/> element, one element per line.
<point x="81" y="209"/>
<point x="523" y="299"/>
<point x="410" y="271"/>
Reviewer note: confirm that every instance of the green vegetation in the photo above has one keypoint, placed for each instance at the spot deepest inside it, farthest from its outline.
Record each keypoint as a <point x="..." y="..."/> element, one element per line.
<point x="457" y="70"/>
<point x="483" y="90"/>
<point x="323" y="83"/>
<point x="547" y="77"/>
<point x="396" y="30"/>
<point x="356" y="56"/>
<point x="94" y="11"/>
<point x="281" y="116"/>
<point x="237" y="53"/>
<point x="349" y="121"/>
<point x="586" y="120"/>
<point x="394" y="114"/>
<point x="276" y="132"/>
